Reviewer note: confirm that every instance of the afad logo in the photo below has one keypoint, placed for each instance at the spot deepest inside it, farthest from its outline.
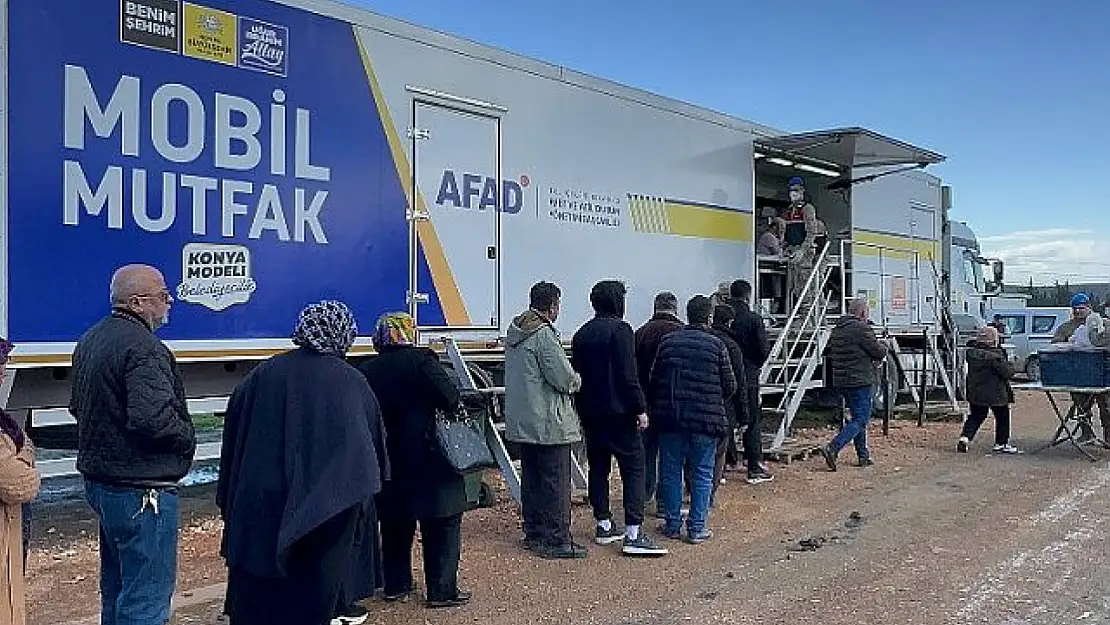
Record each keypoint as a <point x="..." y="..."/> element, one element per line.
<point x="466" y="190"/>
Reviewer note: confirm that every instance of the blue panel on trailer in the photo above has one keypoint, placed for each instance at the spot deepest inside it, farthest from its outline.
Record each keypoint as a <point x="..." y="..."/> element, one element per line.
<point x="269" y="181"/>
<point x="430" y="314"/>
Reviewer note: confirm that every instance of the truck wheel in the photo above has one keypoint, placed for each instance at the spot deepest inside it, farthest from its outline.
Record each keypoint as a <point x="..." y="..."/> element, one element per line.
<point x="1033" y="369"/>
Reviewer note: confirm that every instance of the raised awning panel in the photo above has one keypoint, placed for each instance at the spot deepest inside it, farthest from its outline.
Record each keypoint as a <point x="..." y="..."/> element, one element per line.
<point x="850" y="147"/>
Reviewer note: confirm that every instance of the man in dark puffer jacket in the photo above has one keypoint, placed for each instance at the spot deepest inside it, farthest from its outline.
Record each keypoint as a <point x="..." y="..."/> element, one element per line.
<point x="852" y="353"/>
<point x="135" y="441"/>
<point x="690" y="383"/>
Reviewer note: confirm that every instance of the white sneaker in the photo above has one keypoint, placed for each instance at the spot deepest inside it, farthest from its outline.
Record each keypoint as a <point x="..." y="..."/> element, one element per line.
<point x="1006" y="449"/>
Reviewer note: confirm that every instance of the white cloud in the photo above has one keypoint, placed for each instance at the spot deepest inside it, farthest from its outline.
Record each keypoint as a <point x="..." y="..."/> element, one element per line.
<point x="1072" y="254"/>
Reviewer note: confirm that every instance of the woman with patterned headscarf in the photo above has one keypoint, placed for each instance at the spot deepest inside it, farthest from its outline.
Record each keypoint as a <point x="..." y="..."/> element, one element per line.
<point x="411" y="385"/>
<point x="302" y="456"/>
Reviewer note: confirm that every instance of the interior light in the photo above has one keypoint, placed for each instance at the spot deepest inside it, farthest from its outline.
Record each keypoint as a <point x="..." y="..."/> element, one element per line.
<point x="757" y="155"/>
<point x="817" y="170"/>
<point x="780" y="161"/>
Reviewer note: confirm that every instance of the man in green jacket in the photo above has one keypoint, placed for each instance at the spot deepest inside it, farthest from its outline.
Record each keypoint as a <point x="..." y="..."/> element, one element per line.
<point x="540" y="418"/>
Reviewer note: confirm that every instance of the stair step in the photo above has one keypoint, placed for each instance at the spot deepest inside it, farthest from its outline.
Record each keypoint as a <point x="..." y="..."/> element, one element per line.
<point x="773" y="389"/>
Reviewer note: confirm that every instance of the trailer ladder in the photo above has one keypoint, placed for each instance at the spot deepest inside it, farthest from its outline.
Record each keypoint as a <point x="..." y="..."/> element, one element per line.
<point x="797" y="352"/>
<point x="493" y="427"/>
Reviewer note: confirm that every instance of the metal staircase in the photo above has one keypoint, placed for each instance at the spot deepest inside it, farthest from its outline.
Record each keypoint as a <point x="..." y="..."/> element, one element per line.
<point x="797" y="352"/>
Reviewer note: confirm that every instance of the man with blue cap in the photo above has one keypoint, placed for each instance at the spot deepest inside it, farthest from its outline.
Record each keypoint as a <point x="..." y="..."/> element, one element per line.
<point x="800" y="240"/>
<point x="1087" y="323"/>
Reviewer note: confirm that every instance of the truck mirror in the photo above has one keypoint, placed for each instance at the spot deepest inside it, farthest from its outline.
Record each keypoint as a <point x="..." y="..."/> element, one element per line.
<point x="997" y="269"/>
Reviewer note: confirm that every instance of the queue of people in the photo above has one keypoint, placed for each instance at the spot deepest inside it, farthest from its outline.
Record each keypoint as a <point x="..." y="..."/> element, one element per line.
<point x="664" y="401"/>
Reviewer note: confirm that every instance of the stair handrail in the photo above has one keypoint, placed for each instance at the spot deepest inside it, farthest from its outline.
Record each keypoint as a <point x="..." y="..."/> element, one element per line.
<point x="780" y="342"/>
<point x="817" y="314"/>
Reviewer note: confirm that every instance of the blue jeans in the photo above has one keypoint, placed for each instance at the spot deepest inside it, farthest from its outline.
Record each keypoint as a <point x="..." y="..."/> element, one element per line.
<point x="855" y="430"/>
<point x="676" y="449"/>
<point x="138" y="552"/>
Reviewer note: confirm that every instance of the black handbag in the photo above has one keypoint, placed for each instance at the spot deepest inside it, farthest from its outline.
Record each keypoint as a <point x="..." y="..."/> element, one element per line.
<point x="460" y="443"/>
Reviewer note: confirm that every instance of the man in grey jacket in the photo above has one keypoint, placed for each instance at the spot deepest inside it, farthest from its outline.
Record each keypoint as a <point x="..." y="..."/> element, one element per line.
<point x="540" y="418"/>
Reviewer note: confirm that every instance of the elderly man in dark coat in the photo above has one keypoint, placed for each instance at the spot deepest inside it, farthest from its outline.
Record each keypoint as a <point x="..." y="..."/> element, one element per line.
<point x="302" y="455"/>
<point x="852" y="355"/>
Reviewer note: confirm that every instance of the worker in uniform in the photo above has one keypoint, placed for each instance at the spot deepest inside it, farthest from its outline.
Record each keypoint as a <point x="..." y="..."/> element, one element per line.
<point x="1085" y="321"/>
<point x="802" y="231"/>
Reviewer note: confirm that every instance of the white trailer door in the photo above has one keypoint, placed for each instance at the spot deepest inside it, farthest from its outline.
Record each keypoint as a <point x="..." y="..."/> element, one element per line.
<point x="457" y="167"/>
<point x="923" y="231"/>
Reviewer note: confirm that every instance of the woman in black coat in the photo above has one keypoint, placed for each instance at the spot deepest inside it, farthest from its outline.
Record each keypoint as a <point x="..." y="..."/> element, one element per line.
<point x="411" y="386"/>
<point x="988" y="388"/>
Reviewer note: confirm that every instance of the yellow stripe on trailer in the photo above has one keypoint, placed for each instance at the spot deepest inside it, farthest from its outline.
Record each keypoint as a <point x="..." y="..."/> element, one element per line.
<point x="655" y="215"/>
<point x="894" y="246"/>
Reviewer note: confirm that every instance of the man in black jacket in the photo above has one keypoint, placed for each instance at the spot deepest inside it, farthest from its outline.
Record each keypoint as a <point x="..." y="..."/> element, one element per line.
<point x="851" y="355"/>
<point x="648" y="336"/>
<point x="737" y="406"/>
<point x="751" y="335"/>
<point x="690" y="384"/>
<point x="612" y="407"/>
<point x="135" y="441"/>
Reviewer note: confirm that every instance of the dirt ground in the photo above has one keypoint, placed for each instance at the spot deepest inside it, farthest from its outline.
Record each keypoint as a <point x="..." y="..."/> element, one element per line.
<point x="927" y="536"/>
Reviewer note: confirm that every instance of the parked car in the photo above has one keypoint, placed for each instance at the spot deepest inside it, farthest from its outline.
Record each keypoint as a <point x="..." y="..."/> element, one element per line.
<point x="1029" y="329"/>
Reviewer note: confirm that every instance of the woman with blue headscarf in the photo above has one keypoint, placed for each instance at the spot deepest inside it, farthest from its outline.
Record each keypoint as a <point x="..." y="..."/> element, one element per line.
<point x="302" y="456"/>
<point x="411" y="385"/>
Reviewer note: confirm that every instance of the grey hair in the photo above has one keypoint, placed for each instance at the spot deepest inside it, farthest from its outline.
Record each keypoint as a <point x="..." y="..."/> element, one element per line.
<point x="666" y="302"/>
<point x="857" y="306"/>
<point x="128" y="281"/>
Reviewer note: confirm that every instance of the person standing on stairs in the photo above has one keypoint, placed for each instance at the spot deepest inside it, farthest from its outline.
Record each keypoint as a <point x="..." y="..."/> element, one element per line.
<point x="852" y="353"/>
<point x="751" y="335"/>
<point x="613" y="411"/>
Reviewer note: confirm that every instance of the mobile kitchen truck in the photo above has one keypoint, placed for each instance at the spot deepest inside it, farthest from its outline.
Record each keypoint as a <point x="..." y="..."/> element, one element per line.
<point x="266" y="154"/>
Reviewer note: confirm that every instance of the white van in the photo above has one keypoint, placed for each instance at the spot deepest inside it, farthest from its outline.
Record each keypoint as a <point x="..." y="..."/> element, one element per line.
<point x="1029" y="329"/>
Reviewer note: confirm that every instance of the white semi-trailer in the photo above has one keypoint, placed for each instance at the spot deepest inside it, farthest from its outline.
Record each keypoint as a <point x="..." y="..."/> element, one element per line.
<point x="265" y="154"/>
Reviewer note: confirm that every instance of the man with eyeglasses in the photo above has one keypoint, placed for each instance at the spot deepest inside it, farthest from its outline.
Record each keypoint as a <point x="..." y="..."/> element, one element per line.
<point x="135" y="443"/>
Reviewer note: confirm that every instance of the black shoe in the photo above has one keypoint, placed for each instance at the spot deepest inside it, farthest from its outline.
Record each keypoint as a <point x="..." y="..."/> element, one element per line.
<point x="608" y="536"/>
<point x="642" y="546"/>
<point x="962" y="444"/>
<point x="830" y="457"/>
<point x="397" y="597"/>
<point x="866" y="462"/>
<point x="759" y="476"/>
<point x="461" y="598"/>
<point x="569" y="551"/>
<point x="353" y="614"/>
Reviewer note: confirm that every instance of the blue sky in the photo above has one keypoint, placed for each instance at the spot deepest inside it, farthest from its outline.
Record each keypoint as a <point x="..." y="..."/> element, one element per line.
<point x="1014" y="93"/>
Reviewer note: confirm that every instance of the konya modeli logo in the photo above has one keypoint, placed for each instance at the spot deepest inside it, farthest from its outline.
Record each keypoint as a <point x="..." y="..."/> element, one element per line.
<point x="215" y="276"/>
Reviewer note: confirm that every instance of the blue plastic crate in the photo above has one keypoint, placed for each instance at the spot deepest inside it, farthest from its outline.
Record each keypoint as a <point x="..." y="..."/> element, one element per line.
<point x="1079" y="368"/>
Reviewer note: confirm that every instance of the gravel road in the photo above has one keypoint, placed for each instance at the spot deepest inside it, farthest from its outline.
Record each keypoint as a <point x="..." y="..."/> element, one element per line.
<point x="926" y="537"/>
